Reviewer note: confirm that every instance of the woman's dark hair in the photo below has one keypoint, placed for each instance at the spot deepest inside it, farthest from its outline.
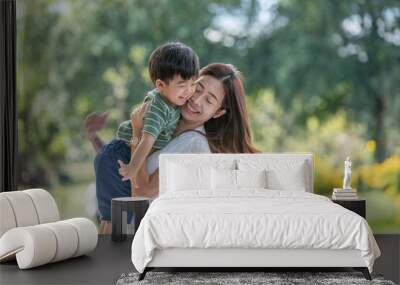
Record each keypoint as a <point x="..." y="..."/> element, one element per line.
<point x="173" y="59"/>
<point x="229" y="133"/>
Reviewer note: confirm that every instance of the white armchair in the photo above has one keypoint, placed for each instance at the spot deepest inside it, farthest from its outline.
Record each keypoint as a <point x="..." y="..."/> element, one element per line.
<point x="31" y="232"/>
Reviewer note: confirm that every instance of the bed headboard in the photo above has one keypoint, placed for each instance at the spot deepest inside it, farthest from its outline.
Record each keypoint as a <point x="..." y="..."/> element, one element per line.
<point x="271" y="159"/>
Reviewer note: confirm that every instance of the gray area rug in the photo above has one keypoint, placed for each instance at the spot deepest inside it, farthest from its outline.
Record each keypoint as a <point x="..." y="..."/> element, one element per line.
<point x="226" y="278"/>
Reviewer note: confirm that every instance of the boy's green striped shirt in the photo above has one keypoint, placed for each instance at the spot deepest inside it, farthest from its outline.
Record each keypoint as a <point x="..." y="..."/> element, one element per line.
<point x="160" y="121"/>
<point x="124" y="131"/>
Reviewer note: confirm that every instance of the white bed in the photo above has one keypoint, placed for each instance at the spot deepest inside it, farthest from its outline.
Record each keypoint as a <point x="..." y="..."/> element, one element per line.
<point x="198" y="223"/>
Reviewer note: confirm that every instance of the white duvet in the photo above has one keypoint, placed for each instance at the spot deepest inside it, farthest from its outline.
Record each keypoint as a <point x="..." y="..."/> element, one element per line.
<point x="250" y="219"/>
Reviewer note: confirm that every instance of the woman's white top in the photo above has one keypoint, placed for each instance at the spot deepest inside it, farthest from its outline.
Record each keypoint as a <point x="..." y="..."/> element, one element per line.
<point x="187" y="142"/>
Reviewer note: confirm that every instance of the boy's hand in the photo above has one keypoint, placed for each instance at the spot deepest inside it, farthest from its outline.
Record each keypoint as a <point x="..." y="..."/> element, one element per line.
<point x="94" y="123"/>
<point x="127" y="173"/>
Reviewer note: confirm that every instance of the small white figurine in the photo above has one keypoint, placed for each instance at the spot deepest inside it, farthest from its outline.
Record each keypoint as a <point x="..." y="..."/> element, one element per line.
<point x="347" y="174"/>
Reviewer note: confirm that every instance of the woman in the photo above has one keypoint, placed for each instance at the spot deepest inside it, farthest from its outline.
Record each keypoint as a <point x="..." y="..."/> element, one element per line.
<point x="214" y="119"/>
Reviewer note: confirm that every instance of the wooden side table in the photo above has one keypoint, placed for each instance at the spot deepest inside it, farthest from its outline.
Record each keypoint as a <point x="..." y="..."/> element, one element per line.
<point x="358" y="206"/>
<point x="119" y="208"/>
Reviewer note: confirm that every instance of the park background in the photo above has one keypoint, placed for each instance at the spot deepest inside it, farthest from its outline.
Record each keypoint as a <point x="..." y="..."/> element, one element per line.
<point x="320" y="76"/>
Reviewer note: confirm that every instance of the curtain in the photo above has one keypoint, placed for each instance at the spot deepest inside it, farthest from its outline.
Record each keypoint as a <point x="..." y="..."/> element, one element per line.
<point x="8" y="104"/>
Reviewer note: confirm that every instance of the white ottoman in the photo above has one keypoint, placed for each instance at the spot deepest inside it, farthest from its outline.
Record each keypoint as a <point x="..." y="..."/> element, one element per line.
<point x="31" y="232"/>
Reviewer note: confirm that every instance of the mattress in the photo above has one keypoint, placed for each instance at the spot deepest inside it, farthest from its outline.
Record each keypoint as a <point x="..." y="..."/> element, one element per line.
<point x="250" y="219"/>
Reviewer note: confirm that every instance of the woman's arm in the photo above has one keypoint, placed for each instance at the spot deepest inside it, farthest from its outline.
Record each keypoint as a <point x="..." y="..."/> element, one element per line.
<point x="94" y="123"/>
<point x="190" y="142"/>
<point x="147" y="184"/>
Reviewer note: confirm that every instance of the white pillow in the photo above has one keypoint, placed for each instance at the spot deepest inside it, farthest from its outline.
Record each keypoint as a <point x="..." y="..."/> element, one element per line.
<point x="282" y="174"/>
<point x="183" y="177"/>
<point x="228" y="179"/>
<point x="223" y="179"/>
<point x="251" y="178"/>
<point x="293" y="179"/>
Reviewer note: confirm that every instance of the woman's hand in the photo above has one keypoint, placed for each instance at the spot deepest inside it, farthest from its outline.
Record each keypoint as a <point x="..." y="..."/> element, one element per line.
<point x="94" y="123"/>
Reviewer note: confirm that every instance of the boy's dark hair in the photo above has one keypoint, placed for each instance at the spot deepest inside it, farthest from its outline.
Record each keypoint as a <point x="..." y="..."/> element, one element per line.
<point x="172" y="59"/>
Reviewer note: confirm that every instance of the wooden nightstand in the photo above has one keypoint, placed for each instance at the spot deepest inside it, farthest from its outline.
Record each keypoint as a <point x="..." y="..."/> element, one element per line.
<point x="358" y="206"/>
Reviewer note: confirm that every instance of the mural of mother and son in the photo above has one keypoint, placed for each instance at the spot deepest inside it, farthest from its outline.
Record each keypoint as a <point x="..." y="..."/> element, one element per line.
<point x="190" y="110"/>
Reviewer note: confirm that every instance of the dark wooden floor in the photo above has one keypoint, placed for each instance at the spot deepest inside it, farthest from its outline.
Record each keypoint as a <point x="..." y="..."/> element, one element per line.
<point x="110" y="260"/>
<point x="102" y="266"/>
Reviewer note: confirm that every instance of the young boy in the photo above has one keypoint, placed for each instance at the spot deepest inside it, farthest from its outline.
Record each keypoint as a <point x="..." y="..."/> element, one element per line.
<point x="173" y="68"/>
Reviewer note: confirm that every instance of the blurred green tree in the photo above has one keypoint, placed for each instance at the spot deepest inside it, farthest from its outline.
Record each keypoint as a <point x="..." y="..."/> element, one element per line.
<point x="78" y="56"/>
<point x="317" y="57"/>
<point x="329" y="55"/>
